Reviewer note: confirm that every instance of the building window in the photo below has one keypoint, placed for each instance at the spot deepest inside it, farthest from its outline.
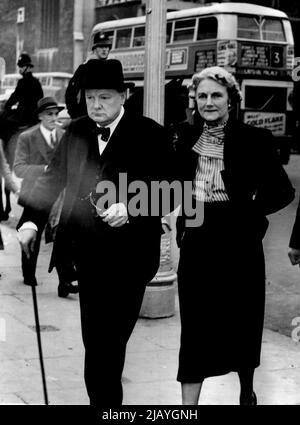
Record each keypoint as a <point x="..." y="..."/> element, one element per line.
<point x="50" y="23"/>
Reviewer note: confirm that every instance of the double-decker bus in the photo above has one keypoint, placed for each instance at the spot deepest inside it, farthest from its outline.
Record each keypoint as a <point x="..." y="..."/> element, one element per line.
<point x="253" y="42"/>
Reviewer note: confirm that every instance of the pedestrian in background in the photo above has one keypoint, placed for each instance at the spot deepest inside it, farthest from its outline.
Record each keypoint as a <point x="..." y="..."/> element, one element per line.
<point x="35" y="149"/>
<point x="116" y="253"/>
<point x="221" y="272"/>
<point x="19" y="112"/>
<point x="26" y="95"/>
<point x="10" y="183"/>
<point x="75" y="97"/>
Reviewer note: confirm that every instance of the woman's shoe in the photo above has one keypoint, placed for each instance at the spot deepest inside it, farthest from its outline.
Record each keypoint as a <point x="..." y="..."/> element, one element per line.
<point x="249" y="401"/>
<point x="66" y="288"/>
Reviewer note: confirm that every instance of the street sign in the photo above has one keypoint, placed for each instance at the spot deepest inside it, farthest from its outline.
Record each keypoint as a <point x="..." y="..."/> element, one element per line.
<point x="2" y="68"/>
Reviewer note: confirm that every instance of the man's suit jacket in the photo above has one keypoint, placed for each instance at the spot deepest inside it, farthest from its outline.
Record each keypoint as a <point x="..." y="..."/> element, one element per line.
<point x="32" y="155"/>
<point x="139" y="148"/>
<point x="255" y="181"/>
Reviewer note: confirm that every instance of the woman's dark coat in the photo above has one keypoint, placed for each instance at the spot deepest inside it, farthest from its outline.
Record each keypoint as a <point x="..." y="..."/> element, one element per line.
<point x="221" y="272"/>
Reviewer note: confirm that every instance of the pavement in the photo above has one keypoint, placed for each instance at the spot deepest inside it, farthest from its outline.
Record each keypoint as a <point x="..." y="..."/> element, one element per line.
<point x="151" y="364"/>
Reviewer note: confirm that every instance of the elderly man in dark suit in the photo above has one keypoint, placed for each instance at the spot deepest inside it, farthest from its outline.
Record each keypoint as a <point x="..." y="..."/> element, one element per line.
<point x="35" y="149"/>
<point x="116" y="251"/>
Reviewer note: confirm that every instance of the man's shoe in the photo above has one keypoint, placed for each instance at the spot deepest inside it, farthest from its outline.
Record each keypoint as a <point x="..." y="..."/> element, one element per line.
<point x="66" y="288"/>
<point x="30" y="282"/>
<point x="249" y="401"/>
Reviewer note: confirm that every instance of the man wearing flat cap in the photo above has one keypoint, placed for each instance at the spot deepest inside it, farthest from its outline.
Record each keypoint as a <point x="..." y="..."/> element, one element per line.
<point x="35" y="149"/>
<point x="116" y="251"/>
<point x="75" y="98"/>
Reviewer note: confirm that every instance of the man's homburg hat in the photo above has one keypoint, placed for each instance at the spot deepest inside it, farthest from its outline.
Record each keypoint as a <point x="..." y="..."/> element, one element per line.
<point x="106" y="74"/>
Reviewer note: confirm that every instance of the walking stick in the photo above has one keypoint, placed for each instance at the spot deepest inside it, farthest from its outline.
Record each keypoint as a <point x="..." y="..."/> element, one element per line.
<point x="38" y="334"/>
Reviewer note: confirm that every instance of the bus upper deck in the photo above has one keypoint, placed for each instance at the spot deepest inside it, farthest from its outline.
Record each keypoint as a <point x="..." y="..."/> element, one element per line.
<point x="247" y="39"/>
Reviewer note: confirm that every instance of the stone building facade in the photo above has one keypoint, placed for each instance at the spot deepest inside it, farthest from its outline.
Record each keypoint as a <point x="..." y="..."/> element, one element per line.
<point x="54" y="32"/>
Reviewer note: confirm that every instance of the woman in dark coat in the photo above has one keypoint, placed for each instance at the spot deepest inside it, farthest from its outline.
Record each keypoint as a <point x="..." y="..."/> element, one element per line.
<point x="238" y="180"/>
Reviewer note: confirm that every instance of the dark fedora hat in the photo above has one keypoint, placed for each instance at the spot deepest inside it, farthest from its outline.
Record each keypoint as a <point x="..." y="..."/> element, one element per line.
<point x="24" y="60"/>
<point x="104" y="74"/>
<point x="101" y="40"/>
<point x="48" y="103"/>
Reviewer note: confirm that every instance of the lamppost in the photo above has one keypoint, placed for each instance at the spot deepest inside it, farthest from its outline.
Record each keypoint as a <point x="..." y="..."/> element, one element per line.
<point x="159" y="299"/>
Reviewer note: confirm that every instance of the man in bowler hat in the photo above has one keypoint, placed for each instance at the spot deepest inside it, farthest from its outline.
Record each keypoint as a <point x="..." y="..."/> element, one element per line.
<point x="35" y="149"/>
<point x="75" y="98"/>
<point x="116" y="252"/>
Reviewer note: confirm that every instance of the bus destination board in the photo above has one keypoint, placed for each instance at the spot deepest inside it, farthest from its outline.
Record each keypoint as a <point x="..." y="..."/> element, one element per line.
<point x="260" y="56"/>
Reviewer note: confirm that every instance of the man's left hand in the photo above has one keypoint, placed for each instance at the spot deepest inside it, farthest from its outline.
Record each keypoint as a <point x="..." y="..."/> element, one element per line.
<point x="116" y="215"/>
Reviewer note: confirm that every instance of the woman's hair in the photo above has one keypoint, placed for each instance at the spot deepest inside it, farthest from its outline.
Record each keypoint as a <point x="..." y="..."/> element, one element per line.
<point x="221" y="76"/>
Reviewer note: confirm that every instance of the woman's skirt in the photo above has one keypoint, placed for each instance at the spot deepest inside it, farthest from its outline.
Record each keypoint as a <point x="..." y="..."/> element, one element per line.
<point x="221" y="284"/>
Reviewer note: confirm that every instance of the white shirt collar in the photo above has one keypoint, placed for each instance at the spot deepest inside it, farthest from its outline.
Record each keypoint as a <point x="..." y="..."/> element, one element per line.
<point x="46" y="133"/>
<point x="112" y="126"/>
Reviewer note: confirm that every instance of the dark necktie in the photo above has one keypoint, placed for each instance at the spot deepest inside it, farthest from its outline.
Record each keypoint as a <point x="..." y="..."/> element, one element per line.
<point x="52" y="141"/>
<point x="104" y="132"/>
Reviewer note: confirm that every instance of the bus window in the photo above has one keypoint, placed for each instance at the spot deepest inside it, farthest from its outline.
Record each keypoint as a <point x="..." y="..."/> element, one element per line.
<point x="272" y="30"/>
<point x="257" y="28"/>
<point x="123" y="38"/>
<point x="184" y="30"/>
<point x="207" y="28"/>
<point x="139" y="37"/>
<point x="248" y="27"/>
<point x="110" y="35"/>
<point x="266" y="99"/>
<point x="44" y="80"/>
<point x="169" y="32"/>
<point x="58" y="82"/>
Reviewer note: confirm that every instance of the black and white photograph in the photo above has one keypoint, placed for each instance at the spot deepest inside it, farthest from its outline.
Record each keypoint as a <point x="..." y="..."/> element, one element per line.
<point x="149" y="207"/>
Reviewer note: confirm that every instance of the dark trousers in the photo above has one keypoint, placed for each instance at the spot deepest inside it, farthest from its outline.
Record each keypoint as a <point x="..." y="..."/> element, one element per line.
<point x="110" y="300"/>
<point x="4" y="210"/>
